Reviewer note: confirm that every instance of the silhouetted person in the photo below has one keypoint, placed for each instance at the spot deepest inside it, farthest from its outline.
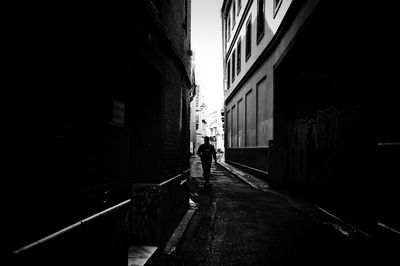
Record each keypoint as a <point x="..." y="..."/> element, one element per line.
<point x="206" y="152"/>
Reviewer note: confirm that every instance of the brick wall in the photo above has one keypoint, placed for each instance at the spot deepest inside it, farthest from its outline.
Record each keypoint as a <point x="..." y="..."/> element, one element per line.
<point x="174" y="21"/>
<point x="164" y="45"/>
<point x="173" y="45"/>
<point x="65" y="152"/>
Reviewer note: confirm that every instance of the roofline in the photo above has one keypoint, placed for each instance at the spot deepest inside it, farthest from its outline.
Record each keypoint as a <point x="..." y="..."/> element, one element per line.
<point x="225" y="6"/>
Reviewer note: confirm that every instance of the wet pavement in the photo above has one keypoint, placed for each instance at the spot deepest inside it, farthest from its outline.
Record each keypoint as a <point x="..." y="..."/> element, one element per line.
<point x="236" y="224"/>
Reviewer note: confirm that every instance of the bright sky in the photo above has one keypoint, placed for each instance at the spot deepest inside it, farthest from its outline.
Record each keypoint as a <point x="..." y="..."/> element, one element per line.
<point x="207" y="47"/>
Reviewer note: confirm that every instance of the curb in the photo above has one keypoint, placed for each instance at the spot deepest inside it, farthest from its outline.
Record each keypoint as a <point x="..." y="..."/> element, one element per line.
<point x="263" y="186"/>
<point x="173" y="241"/>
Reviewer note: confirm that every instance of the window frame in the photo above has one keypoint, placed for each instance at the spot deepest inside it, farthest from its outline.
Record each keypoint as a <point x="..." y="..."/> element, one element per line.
<point x="277" y="5"/>
<point x="239" y="56"/>
<point x="260" y="20"/>
<point x="228" y="27"/>
<point x="233" y="124"/>
<point x="248" y="39"/>
<point x="228" y="128"/>
<point x="229" y="74"/>
<point x="258" y="109"/>
<point x="186" y="17"/>
<point x="233" y="58"/>
<point x="247" y="117"/>
<point x="240" y="104"/>
<point x="233" y="14"/>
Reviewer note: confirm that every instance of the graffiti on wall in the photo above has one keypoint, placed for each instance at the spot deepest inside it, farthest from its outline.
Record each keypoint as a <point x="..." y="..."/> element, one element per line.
<point x="315" y="145"/>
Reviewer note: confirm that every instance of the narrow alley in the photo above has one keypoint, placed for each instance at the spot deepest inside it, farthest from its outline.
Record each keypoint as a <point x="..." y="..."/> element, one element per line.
<point x="236" y="224"/>
<point x="110" y="108"/>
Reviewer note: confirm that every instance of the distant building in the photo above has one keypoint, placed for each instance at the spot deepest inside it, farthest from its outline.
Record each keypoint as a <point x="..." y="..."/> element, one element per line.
<point x="198" y="122"/>
<point x="193" y="111"/>
<point x="215" y="130"/>
<point x="201" y="120"/>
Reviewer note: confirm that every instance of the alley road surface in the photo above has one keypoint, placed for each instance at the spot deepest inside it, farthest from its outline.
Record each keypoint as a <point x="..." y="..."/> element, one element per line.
<point x="236" y="224"/>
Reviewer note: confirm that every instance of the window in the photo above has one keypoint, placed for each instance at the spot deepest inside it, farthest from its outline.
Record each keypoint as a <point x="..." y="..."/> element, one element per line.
<point x="234" y="126"/>
<point x="248" y="38"/>
<point x="233" y="14"/>
<point x="250" y="120"/>
<point x="239" y="55"/>
<point x="264" y="113"/>
<point x="277" y="5"/>
<point x="229" y="74"/>
<point x="185" y="23"/>
<point x="239" y="5"/>
<point x="260" y="19"/>
<point x="241" y="135"/>
<point x="228" y="27"/>
<point x="225" y="37"/>
<point x="233" y="65"/>
<point x="228" y="128"/>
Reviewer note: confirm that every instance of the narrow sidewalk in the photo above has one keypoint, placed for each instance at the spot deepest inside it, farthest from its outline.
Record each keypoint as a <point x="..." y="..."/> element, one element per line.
<point x="301" y="204"/>
<point x="245" y="177"/>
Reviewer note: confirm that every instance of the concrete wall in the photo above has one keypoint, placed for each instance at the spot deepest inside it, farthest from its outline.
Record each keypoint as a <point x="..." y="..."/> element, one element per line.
<point x="248" y="134"/>
<point x="255" y="74"/>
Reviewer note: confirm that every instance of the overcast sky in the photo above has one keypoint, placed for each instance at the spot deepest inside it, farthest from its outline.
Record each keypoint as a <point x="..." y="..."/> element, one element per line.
<point x="207" y="47"/>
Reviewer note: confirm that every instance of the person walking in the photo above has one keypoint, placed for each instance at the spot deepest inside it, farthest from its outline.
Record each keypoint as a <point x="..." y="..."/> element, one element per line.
<point x="206" y="152"/>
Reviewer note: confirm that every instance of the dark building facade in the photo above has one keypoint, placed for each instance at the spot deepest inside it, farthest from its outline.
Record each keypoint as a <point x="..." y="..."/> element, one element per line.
<point x="318" y="94"/>
<point x="331" y="86"/>
<point x="100" y="137"/>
